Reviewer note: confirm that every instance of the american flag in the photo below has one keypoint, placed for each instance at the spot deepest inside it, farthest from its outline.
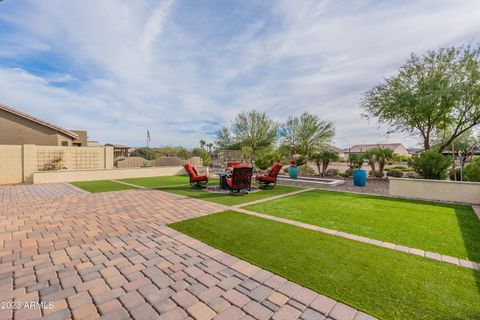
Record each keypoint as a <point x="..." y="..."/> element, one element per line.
<point x="148" y="136"/>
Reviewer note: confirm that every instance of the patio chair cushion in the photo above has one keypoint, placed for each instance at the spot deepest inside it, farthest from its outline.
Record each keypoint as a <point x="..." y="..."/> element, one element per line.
<point x="269" y="176"/>
<point x="203" y="177"/>
<point x="190" y="171"/>
<point x="263" y="178"/>
<point x="195" y="170"/>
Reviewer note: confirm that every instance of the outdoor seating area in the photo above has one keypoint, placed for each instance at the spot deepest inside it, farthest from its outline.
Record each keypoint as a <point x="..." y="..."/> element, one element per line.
<point x="319" y="230"/>
<point x="240" y="160"/>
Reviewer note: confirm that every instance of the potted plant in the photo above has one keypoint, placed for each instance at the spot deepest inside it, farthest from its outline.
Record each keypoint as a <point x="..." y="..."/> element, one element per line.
<point x="293" y="169"/>
<point x="359" y="175"/>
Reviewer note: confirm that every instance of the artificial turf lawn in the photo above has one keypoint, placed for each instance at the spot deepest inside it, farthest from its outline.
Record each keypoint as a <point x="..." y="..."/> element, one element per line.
<point x="384" y="283"/>
<point x="158" y="182"/>
<point x="228" y="199"/>
<point x="444" y="228"/>
<point x="101" y="186"/>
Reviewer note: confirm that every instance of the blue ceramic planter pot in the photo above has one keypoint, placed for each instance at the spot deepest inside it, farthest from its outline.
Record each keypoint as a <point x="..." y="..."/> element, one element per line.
<point x="359" y="178"/>
<point x="293" y="172"/>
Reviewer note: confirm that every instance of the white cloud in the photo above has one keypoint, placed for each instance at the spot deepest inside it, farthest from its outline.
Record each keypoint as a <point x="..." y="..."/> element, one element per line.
<point x="126" y="66"/>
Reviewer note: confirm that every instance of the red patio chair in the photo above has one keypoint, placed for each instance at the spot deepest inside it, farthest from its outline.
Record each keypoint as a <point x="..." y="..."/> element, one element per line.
<point x="196" y="180"/>
<point x="269" y="180"/>
<point x="241" y="179"/>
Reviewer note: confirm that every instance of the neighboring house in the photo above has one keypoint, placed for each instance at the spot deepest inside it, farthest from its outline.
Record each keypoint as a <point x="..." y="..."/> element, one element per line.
<point x="18" y="128"/>
<point x="120" y="150"/>
<point x="397" y="148"/>
<point x="93" y="144"/>
<point x="340" y="152"/>
<point x="414" y="152"/>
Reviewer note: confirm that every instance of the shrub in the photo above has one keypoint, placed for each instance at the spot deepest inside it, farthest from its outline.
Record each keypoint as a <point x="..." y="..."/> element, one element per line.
<point x="431" y="165"/>
<point x="400" y="158"/>
<point x="395" y="173"/>
<point x="472" y="171"/>
<point x="349" y="172"/>
<point x="306" y="171"/>
<point x="301" y="161"/>
<point x="398" y="168"/>
<point x="332" y="172"/>
<point x="263" y="160"/>
<point x="206" y="159"/>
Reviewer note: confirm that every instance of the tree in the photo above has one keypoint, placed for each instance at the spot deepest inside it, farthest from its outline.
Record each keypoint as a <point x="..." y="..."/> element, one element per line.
<point x="430" y="93"/>
<point x="250" y="131"/>
<point x="306" y="134"/>
<point x="210" y="147"/>
<point x="225" y="140"/>
<point x="202" y="144"/>
<point x="324" y="157"/>
<point x="371" y="156"/>
<point x="383" y="155"/>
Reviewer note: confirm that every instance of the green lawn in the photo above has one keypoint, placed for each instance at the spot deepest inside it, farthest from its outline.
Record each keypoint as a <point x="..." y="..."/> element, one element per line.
<point x="447" y="229"/>
<point x="227" y="199"/>
<point x="385" y="283"/>
<point x="101" y="186"/>
<point x="158" y="182"/>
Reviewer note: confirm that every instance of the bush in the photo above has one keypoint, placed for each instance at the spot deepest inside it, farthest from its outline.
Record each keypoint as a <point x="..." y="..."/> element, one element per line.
<point x="206" y="159"/>
<point x="332" y="172"/>
<point x="263" y="160"/>
<point x="349" y="172"/>
<point x="400" y="158"/>
<point x="301" y="161"/>
<point x="472" y="171"/>
<point x="403" y="168"/>
<point x="431" y="165"/>
<point x="395" y="173"/>
<point x="306" y="171"/>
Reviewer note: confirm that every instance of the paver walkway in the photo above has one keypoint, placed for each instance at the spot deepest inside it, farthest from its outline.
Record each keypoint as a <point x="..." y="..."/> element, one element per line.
<point x="14" y="193"/>
<point x="110" y="255"/>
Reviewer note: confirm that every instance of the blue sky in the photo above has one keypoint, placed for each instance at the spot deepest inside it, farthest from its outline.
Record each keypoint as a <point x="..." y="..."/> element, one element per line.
<point x="182" y="69"/>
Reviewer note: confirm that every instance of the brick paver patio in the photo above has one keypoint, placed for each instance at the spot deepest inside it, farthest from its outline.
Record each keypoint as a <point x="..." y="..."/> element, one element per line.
<point x="110" y="255"/>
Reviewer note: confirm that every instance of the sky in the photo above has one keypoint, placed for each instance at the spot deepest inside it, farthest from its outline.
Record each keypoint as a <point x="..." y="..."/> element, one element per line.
<point x="182" y="69"/>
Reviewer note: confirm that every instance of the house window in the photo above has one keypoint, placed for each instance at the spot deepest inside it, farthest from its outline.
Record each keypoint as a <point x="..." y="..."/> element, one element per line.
<point x="64" y="143"/>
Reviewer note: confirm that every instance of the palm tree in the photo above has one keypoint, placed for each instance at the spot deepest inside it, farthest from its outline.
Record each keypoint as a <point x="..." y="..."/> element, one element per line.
<point x="383" y="155"/>
<point x="324" y="157"/>
<point x="210" y="147"/>
<point x="202" y="144"/>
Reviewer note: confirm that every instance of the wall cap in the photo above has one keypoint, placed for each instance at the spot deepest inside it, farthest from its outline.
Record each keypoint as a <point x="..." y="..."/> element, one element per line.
<point x="436" y="181"/>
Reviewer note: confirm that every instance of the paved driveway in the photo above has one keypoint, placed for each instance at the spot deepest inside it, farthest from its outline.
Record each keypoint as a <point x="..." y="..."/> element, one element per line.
<point x="65" y="253"/>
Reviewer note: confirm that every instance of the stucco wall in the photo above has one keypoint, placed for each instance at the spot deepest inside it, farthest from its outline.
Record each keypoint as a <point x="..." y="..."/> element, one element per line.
<point x="90" y="175"/>
<point x="10" y="164"/>
<point x="15" y="130"/>
<point x="439" y="190"/>
<point x="19" y="162"/>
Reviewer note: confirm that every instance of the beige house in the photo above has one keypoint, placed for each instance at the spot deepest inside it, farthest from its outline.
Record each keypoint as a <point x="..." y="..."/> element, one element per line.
<point x="397" y="148"/>
<point x="17" y="128"/>
<point x="338" y="151"/>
